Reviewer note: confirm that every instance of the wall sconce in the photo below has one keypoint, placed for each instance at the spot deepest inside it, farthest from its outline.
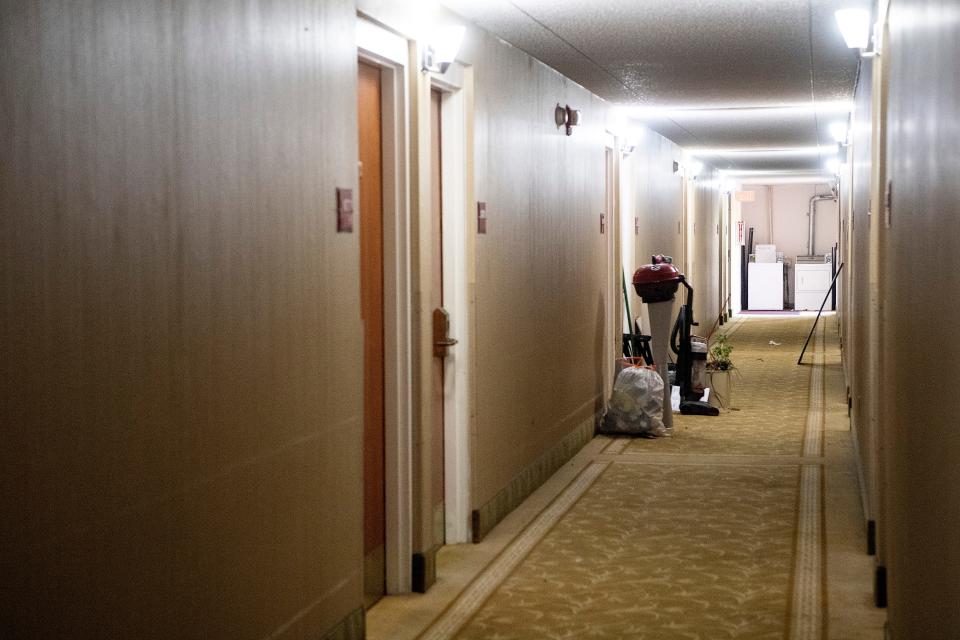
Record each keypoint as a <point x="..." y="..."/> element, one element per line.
<point x="442" y="48"/>
<point x="838" y="131"/>
<point x="855" y="27"/>
<point x="566" y="116"/>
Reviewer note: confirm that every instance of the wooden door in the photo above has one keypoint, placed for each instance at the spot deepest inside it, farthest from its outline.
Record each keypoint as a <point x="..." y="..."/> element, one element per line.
<point x="436" y="301"/>
<point x="371" y="303"/>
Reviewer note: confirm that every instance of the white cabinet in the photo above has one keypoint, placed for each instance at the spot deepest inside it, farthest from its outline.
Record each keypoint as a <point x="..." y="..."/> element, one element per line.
<point x="765" y="286"/>
<point x="811" y="283"/>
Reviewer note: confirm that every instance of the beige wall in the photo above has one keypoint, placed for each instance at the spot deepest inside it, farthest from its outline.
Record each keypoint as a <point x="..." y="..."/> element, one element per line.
<point x="790" y="230"/>
<point x="540" y="267"/>
<point x="657" y="200"/>
<point x="180" y="334"/>
<point x="922" y="297"/>
<point x="857" y="279"/>
<point x="706" y="249"/>
<point x="790" y="222"/>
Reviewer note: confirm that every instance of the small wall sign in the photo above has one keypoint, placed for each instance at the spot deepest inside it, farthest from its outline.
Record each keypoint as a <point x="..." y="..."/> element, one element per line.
<point x="482" y="217"/>
<point x="344" y="210"/>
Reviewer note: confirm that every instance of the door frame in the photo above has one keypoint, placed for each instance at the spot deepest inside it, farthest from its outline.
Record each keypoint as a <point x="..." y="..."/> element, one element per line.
<point x="389" y="52"/>
<point x="456" y="90"/>
<point x="612" y="242"/>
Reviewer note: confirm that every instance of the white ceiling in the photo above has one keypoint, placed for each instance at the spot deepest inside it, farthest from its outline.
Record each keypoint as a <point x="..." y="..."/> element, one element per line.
<point x="704" y="73"/>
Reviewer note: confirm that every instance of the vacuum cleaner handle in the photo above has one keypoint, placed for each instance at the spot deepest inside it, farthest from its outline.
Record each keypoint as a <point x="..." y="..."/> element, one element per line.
<point x="675" y="334"/>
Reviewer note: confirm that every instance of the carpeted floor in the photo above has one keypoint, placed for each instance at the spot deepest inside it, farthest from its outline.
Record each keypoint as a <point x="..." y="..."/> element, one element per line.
<point x="769" y="391"/>
<point x="714" y="533"/>
<point x="658" y="552"/>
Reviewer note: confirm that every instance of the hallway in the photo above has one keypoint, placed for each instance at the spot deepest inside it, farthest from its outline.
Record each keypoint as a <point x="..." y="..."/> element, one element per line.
<point x="740" y="526"/>
<point x="309" y="303"/>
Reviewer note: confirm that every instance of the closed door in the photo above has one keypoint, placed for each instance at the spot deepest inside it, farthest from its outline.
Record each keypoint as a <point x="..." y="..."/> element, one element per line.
<point x="371" y="302"/>
<point x="437" y="440"/>
<point x="612" y="344"/>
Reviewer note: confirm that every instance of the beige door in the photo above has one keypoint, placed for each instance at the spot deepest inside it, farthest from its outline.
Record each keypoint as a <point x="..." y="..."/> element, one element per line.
<point x="612" y="340"/>
<point x="371" y="304"/>
<point x="436" y="301"/>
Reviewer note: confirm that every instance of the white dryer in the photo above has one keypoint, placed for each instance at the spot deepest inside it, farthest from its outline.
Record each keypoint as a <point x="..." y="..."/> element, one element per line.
<point x="811" y="283"/>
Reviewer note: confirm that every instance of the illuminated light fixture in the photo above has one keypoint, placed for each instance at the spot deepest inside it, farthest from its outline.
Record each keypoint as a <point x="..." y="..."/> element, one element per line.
<point x="788" y="152"/>
<point x="778" y="111"/>
<point x="833" y="166"/>
<point x="769" y="172"/>
<point x="838" y="130"/>
<point x="441" y="50"/>
<point x="855" y="27"/>
<point x="787" y="179"/>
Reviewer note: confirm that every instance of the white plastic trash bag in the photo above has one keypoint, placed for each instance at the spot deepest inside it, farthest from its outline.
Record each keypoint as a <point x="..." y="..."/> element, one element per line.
<point x="636" y="406"/>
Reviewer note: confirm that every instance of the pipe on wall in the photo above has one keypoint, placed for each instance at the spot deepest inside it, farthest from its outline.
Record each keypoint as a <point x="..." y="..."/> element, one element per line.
<point x="812" y="215"/>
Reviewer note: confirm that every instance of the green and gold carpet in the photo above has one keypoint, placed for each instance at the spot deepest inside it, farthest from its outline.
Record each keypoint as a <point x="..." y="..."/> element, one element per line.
<point x="713" y="533"/>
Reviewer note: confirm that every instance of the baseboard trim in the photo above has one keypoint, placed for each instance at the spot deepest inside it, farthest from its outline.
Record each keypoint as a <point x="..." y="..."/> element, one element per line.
<point x="880" y="587"/>
<point x="861" y="479"/>
<point x="425" y="569"/>
<point x="529" y="480"/>
<point x="353" y="627"/>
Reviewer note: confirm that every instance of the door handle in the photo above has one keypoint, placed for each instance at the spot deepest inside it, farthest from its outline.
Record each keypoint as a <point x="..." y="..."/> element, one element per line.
<point x="441" y="333"/>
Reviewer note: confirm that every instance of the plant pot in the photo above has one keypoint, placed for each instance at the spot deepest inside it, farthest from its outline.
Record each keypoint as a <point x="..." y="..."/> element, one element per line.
<point x="721" y="388"/>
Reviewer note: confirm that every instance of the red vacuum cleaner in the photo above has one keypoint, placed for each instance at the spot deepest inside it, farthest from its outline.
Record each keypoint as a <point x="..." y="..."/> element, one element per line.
<point x="659" y="282"/>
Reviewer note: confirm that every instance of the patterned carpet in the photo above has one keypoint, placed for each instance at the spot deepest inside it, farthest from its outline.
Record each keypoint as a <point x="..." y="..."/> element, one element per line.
<point x="722" y="540"/>
<point x="647" y="553"/>
<point x="769" y="391"/>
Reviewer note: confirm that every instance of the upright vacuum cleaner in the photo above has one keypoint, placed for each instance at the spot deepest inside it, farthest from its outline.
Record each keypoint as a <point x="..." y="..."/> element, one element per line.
<point x="657" y="284"/>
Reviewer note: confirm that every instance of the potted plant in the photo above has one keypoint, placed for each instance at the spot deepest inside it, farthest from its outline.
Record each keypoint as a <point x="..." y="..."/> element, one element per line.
<point x="719" y="368"/>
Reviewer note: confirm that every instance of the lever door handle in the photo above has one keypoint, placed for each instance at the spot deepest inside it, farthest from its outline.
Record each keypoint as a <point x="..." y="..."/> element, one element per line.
<point x="441" y="330"/>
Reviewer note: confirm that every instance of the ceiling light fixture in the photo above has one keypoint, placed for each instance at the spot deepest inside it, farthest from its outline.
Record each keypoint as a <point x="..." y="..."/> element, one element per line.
<point x="442" y="48"/>
<point x="769" y="172"/>
<point x="855" y="27"/>
<point x="784" y="178"/>
<point x="838" y="130"/>
<point x="747" y="113"/>
<point x="788" y="152"/>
